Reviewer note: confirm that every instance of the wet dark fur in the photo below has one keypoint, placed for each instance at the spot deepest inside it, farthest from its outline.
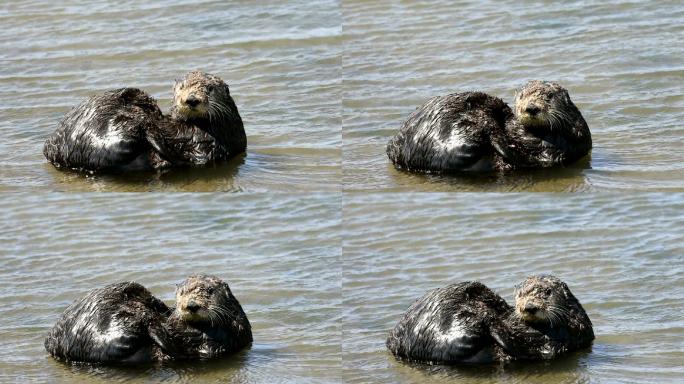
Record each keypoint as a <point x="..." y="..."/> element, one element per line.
<point x="469" y="118"/>
<point x="127" y="113"/>
<point x="124" y="323"/>
<point x="485" y="329"/>
<point x="488" y="134"/>
<point x="141" y="137"/>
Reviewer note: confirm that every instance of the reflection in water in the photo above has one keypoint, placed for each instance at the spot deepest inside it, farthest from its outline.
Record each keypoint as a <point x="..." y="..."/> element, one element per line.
<point x="218" y="177"/>
<point x="566" y="179"/>
<point x="569" y="369"/>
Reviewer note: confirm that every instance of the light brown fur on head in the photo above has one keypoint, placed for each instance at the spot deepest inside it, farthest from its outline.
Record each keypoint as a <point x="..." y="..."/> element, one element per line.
<point x="542" y="299"/>
<point x="199" y="95"/>
<point x="200" y="298"/>
<point x="543" y="104"/>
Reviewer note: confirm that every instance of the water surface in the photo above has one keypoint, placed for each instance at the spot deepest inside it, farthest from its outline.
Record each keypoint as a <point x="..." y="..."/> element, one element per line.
<point x="280" y="256"/>
<point x="620" y="61"/>
<point x="281" y="60"/>
<point x="621" y="256"/>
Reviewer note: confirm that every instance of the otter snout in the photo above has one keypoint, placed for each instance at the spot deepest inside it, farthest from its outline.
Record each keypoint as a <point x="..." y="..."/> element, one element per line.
<point x="530" y="308"/>
<point x="192" y="306"/>
<point x="532" y="109"/>
<point x="192" y="101"/>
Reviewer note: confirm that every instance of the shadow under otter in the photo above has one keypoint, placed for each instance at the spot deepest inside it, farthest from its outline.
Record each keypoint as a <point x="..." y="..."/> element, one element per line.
<point x="473" y="131"/>
<point x="125" y="323"/>
<point x="468" y="323"/>
<point x="124" y="129"/>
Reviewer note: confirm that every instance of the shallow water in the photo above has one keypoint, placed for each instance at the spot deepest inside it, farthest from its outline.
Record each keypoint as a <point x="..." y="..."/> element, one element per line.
<point x="287" y="277"/>
<point x="620" y="61"/>
<point x="621" y="255"/>
<point x="280" y="59"/>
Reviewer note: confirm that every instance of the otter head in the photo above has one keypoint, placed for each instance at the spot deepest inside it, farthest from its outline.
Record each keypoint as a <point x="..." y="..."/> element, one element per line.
<point x="202" y="299"/>
<point x="543" y="104"/>
<point x="543" y="300"/>
<point x="199" y="96"/>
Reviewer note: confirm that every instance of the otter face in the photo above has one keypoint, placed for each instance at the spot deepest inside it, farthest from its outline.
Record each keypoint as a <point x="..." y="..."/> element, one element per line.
<point x="199" y="95"/>
<point x="541" y="104"/>
<point x="200" y="298"/>
<point x="539" y="299"/>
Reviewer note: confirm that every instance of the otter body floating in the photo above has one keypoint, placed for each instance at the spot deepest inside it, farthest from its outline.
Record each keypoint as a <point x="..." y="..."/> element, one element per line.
<point x="468" y="323"/>
<point x="474" y="131"/>
<point x="125" y="130"/>
<point x="124" y="323"/>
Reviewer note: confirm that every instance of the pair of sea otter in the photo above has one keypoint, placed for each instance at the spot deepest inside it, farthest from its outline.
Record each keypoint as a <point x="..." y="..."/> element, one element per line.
<point x="460" y="323"/>
<point x="124" y="129"/>
<point x="468" y="323"/>
<point x="125" y="323"/>
<point x="474" y="131"/>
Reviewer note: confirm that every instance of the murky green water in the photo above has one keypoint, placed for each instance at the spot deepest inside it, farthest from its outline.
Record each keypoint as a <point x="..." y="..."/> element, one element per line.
<point x="620" y="60"/>
<point x="281" y="258"/>
<point x="281" y="60"/>
<point x="621" y="255"/>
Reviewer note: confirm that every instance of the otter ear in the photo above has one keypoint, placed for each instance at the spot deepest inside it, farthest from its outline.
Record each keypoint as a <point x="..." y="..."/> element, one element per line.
<point x="225" y="88"/>
<point x="566" y="97"/>
<point x="516" y="289"/>
<point x="566" y="290"/>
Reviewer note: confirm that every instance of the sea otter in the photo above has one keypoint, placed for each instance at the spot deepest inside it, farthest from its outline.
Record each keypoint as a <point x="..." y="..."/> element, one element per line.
<point x="124" y="129"/>
<point x="473" y="131"/>
<point x="125" y="323"/>
<point x="468" y="323"/>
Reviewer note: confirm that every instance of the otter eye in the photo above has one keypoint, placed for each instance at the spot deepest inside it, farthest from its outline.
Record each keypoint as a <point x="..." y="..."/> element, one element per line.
<point x="210" y="290"/>
<point x="210" y="88"/>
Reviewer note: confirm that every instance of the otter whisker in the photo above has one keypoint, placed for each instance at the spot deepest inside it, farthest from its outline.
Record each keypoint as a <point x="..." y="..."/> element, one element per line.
<point x="224" y="311"/>
<point x="210" y="115"/>
<point x="211" y="318"/>
<point x="562" y="118"/>
<point x="214" y="112"/>
<point x="550" y="120"/>
<point x="560" y="312"/>
<point x="222" y="317"/>
<point x="228" y="111"/>
<point x="222" y="109"/>
<point x="553" y="117"/>
<point x="221" y="106"/>
<point x="554" y="314"/>
<point x="551" y="316"/>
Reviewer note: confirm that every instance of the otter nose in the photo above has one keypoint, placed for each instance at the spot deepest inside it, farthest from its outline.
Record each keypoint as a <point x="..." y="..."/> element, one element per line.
<point x="530" y="308"/>
<point x="192" y="306"/>
<point x="532" y="109"/>
<point x="192" y="101"/>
